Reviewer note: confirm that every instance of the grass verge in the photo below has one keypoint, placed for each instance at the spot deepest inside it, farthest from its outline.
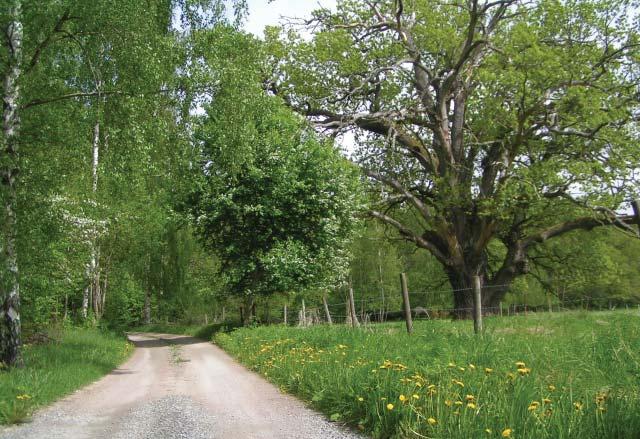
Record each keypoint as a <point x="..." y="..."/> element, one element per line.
<point x="52" y="370"/>
<point x="570" y="375"/>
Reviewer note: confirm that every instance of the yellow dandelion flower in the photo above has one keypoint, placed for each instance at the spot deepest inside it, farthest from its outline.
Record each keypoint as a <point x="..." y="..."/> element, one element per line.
<point x="461" y="369"/>
<point x="389" y="406"/>
<point x="470" y="398"/>
<point x="431" y="386"/>
<point x="578" y="405"/>
<point x="432" y="421"/>
<point x="471" y="406"/>
<point x="458" y="383"/>
<point x="447" y="402"/>
<point x="415" y="396"/>
<point x="507" y="432"/>
<point x="524" y="371"/>
<point x="533" y="406"/>
<point x="451" y="365"/>
<point x="360" y="398"/>
<point x="488" y="370"/>
<point x="488" y="430"/>
<point x="520" y="364"/>
<point x="546" y="401"/>
<point x="472" y="366"/>
<point x="551" y="387"/>
<point x="458" y="403"/>
<point x="402" y="398"/>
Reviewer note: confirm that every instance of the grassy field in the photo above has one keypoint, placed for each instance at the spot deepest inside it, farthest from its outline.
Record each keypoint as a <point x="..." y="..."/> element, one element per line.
<point x="569" y="375"/>
<point x="74" y="358"/>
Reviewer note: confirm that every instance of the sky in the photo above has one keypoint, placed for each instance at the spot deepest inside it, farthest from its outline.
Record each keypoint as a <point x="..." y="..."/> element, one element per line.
<point x="262" y="13"/>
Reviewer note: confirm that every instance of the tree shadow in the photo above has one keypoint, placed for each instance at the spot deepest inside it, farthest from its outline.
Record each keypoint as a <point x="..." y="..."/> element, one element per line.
<point x="158" y="342"/>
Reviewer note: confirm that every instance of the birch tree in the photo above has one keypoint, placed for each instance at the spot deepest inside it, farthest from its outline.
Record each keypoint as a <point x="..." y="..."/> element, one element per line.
<point x="10" y="285"/>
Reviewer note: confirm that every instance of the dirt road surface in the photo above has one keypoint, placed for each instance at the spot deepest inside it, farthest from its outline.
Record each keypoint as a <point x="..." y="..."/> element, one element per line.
<point x="178" y="387"/>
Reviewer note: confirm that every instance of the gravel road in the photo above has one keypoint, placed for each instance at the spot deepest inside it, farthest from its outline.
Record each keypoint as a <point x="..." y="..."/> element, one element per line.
<point x="178" y="387"/>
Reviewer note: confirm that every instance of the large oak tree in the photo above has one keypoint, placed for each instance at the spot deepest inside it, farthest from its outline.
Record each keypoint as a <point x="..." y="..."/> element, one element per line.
<point x="499" y="122"/>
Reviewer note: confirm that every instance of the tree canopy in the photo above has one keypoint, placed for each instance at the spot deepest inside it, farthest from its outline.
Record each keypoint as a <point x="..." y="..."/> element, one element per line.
<point x="502" y="123"/>
<point x="276" y="203"/>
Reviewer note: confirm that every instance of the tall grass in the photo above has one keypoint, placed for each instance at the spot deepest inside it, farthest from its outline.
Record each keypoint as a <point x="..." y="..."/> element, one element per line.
<point x="571" y="375"/>
<point x="52" y="370"/>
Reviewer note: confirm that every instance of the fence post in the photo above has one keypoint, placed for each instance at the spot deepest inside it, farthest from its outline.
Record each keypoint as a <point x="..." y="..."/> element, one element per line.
<point x="285" y="315"/>
<point x="405" y="302"/>
<point x="477" y="305"/>
<point x="304" y="314"/>
<point x="326" y="309"/>
<point x="500" y="309"/>
<point x="352" y="309"/>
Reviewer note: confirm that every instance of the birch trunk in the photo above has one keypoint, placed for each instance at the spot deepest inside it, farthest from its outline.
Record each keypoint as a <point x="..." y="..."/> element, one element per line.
<point x="92" y="291"/>
<point x="10" y="340"/>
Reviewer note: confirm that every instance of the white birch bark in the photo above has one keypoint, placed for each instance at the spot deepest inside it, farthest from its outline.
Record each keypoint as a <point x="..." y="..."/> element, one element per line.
<point x="10" y="340"/>
<point x="91" y="292"/>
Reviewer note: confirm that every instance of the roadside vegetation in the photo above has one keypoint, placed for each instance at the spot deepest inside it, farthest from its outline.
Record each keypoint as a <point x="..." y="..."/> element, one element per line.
<point x="562" y="375"/>
<point x="55" y="366"/>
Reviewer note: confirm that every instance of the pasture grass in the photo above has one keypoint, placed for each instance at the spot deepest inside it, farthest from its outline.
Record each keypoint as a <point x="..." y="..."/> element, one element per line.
<point x="560" y="375"/>
<point x="73" y="358"/>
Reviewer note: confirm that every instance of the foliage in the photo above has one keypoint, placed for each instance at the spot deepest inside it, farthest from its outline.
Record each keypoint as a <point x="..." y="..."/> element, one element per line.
<point x="578" y="376"/>
<point x="276" y="203"/>
<point x="497" y="125"/>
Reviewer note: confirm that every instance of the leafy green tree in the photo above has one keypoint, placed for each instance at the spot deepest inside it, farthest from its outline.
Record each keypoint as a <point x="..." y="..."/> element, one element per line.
<point x="73" y="72"/>
<point x="498" y="123"/>
<point x="276" y="204"/>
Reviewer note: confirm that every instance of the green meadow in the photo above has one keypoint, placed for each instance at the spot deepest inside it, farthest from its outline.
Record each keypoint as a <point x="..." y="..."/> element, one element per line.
<point x="547" y="375"/>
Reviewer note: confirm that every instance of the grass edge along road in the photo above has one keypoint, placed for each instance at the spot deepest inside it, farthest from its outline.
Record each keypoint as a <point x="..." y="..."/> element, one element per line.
<point x="74" y="358"/>
<point x="562" y="375"/>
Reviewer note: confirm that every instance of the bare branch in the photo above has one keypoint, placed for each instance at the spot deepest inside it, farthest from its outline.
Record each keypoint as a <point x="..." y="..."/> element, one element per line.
<point x="395" y="184"/>
<point x="409" y="235"/>
<point x="585" y="223"/>
<point x="44" y="43"/>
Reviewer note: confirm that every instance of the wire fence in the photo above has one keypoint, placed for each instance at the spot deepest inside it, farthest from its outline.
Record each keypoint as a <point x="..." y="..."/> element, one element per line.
<point x="373" y="310"/>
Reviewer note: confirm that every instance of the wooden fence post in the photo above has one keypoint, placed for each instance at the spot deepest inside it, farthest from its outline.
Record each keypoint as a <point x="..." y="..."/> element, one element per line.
<point x="326" y="309"/>
<point x="405" y="302"/>
<point x="304" y="314"/>
<point x="352" y="309"/>
<point x="477" y="305"/>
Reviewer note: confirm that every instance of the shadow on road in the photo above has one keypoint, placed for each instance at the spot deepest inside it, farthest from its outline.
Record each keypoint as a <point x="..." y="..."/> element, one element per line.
<point x="122" y="372"/>
<point x="162" y="342"/>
